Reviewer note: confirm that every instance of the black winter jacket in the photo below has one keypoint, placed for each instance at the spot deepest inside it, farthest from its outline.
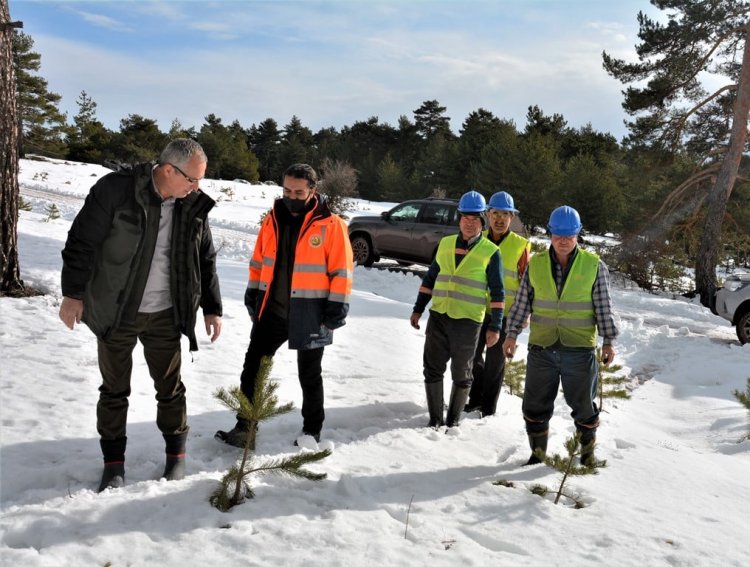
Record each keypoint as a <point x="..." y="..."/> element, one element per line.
<point x="106" y="248"/>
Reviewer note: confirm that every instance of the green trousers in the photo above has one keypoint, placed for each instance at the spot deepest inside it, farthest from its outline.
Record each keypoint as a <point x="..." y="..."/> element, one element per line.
<point x="161" y="348"/>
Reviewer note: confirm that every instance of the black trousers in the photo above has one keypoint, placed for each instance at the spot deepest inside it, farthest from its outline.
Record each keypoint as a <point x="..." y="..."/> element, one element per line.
<point x="268" y="334"/>
<point x="489" y="373"/>
<point x="453" y="340"/>
<point x="160" y="338"/>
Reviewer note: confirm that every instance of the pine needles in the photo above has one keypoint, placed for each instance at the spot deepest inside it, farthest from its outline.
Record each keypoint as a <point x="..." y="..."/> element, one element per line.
<point x="234" y="486"/>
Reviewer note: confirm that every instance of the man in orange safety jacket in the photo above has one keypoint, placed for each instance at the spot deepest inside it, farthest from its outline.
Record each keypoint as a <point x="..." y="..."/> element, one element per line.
<point x="298" y="291"/>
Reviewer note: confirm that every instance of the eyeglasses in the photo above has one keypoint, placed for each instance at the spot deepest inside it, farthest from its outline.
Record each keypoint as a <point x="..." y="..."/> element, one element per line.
<point x="185" y="175"/>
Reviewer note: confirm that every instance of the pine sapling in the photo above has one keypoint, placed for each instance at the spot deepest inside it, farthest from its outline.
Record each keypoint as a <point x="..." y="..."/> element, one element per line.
<point x="292" y="466"/>
<point x="607" y="379"/>
<point x="264" y="404"/>
<point x="515" y="374"/>
<point x="234" y="488"/>
<point x="52" y="212"/>
<point x="565" y="465"/>
<point x="23" y="204"/>
<point x="744" y="399"/>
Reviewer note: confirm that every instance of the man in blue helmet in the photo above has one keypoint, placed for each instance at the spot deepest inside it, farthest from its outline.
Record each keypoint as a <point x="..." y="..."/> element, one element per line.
<point x="465" y="267"/>
<point x="515" y="250"/>
<point x="566" y="292"/>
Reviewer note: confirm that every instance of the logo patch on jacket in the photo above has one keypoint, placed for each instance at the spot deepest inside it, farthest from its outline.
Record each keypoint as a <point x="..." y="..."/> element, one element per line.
<point x="315" y="241"/>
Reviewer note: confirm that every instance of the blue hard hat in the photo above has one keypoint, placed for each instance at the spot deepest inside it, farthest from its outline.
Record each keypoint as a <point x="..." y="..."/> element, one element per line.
<point x="472" y="202"/>
<point x="564" y="221"/>
<point x="502" y="201"/>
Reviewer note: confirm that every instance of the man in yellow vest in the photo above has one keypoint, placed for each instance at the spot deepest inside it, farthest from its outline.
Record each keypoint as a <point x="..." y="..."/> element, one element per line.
<point x="566" y="291"/>
<point x="465" y="267"/>
<point x="515" y="251"/>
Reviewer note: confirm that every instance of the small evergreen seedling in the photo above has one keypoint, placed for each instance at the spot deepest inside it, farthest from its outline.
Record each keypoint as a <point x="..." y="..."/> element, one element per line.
<point x="229" y="192"/>
<point x="744" y="399"/>
<point x="23" y="204"/>
<point x="608" y="384"/>
<point x="224" y="499"/>
<point x="234" y="488"/>
<point x="52" y="212"/>
<point x="264" y="404"/>
<point x="565" y="465"/>
<point x="515" y="375"/>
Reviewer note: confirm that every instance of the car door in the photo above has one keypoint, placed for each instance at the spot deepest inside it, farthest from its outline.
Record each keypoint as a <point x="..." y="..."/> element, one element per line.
<point x="435" y="221"/>
<point x="394" y="237"/>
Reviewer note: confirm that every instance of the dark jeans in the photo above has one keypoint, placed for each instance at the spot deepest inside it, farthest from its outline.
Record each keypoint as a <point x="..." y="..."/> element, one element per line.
<point x="449" y="339"/>
<point x="268" y="334"/>
<point x="488" y="372"/>
<point x="161" y="348"/>
<point x="546" y="369"/>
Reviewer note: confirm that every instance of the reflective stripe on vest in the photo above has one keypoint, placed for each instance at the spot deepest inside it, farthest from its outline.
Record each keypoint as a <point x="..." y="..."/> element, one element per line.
<point x="461" y="291"/>
<point x="322" y="260"/>
<point x="570" y="318"/>
<point x="511" y="250"/>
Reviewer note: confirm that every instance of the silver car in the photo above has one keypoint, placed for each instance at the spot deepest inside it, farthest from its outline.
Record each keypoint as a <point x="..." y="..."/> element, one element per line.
<point x="733" y="304"/>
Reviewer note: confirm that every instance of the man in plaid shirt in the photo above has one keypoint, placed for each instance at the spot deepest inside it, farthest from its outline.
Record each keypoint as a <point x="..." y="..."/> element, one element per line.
<point x="566" y="292"/>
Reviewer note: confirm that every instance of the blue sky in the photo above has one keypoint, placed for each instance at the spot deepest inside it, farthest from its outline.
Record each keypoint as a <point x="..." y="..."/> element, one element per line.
<point x="332" y="63"/>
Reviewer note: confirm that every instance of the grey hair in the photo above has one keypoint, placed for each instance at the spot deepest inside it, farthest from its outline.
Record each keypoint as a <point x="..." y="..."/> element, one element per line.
<point x="180" y="150"/>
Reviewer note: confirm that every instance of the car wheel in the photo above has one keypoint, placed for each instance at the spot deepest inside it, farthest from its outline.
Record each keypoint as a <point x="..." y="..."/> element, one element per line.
<point x="362" y="251"/>
<point x="743" y="328"/>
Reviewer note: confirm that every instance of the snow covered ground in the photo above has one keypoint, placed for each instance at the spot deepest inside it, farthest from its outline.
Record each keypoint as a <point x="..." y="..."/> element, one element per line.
<point x="674" y="492"/>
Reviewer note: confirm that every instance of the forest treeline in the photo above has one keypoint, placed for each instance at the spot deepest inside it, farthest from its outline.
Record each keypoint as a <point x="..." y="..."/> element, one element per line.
<point x="617" y="186"/>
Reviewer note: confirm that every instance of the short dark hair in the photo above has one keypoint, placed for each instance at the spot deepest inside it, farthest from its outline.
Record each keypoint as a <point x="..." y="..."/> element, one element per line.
<point x="302" y="171"/>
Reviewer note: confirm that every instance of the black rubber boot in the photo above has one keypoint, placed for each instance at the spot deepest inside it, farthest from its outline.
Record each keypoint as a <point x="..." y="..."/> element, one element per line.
<point x="113" y="476"/>
<point x="237" y="435"/>
<point x="588" y="443"/>
<point x="459" y="394"/>
<point x="434" y="392"/>
<point x="113" y="451"/>
<point x="174" y="468"/>
<point x="538" y="444"/>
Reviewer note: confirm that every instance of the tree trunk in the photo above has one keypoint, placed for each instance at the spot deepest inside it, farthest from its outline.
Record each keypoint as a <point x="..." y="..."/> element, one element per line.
<point x="708" y="253"/>
<point x="10" y="273"/>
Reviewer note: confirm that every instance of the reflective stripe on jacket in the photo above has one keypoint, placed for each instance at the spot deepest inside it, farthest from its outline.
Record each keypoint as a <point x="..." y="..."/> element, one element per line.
<point x="570" y="318"/>
<point x="461" y="291"/>
<point x="321" y="283"/>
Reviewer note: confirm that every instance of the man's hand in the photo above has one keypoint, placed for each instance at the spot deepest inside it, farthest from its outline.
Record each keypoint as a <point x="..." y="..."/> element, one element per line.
<point x="608" y="354"/>
<point x="491" y="337"/>
<point x="71" y="311"/>
<point x="509" y="348"/>
<point x="414" y="319"/>
<point x="213" y="326"/>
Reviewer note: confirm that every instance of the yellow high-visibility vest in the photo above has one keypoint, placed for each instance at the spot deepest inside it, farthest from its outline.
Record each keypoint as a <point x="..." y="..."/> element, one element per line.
<point x="511" y="249"/>
<point x="570" y="318"/>
<point x="461" y="291"/>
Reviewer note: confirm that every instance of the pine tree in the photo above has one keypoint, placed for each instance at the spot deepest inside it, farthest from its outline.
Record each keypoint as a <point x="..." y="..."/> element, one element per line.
<point x="515" y="375"/>
<point x="52" y="212"/>
<point x="23" y="204"/>
<point x="606" y="379"/>
<point x="564" y="464"/>
<point x="10" y="271"/>
<point x="89" y="139"/>
<point x="43" y="126"/>
<point x="234" y="487"/>
<point x="674" y="113"/>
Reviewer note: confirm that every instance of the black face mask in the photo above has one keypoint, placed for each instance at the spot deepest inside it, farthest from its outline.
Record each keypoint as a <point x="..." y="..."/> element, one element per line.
<point x="295" y="206"/>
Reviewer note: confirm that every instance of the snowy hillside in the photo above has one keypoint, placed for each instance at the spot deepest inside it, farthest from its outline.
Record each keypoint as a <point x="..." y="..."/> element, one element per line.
<point x="397" y="493"/>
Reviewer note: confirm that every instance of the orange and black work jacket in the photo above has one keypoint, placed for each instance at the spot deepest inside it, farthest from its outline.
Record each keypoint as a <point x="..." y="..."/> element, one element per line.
<point x="321" y="276"/>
